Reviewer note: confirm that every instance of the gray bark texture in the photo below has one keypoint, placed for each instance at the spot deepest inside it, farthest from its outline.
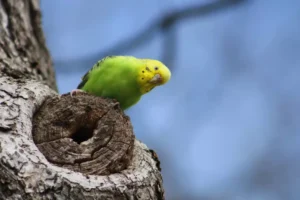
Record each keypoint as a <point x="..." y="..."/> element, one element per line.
<point x="61" y="147"/>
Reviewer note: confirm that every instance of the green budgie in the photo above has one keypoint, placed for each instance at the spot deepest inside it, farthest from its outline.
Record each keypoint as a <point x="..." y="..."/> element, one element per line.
<point x="124" y="78"/>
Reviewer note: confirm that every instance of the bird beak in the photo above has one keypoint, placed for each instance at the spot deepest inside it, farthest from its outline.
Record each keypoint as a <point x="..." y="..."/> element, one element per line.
<point x="157" y="79"/>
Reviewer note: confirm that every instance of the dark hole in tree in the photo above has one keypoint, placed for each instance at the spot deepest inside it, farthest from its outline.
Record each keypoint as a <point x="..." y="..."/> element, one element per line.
<point x="82" y="134"/>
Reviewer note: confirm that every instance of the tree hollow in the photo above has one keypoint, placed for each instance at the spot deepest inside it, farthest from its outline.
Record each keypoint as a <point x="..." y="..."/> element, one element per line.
<point x="84" y="133"/>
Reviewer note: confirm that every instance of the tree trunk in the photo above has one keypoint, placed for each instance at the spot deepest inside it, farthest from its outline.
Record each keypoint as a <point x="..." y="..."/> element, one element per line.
<point x="61" y="147"/>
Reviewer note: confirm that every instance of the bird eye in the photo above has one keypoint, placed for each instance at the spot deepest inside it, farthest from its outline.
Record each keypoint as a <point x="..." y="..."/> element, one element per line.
<point x="156" y="68"/>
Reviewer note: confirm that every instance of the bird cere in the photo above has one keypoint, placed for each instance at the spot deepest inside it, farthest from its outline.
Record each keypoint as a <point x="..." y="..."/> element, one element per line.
<point x="124" y="78"/>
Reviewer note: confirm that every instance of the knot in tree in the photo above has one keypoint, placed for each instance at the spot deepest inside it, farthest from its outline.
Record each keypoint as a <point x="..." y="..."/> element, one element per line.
<point x="84" y="133"/>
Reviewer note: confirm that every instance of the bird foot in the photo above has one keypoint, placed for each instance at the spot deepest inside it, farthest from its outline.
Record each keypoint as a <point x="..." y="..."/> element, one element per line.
<point x="76" y="91"/>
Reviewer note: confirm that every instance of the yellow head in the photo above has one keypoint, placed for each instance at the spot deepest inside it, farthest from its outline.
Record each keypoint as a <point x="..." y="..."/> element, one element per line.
<point x="153" y="73"/>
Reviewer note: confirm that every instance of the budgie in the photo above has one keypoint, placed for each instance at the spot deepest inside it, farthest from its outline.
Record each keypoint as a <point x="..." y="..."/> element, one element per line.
<point x="124" y="78"/>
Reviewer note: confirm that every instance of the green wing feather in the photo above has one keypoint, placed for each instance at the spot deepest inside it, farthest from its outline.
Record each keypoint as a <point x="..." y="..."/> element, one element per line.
<point x="85" y="77"/>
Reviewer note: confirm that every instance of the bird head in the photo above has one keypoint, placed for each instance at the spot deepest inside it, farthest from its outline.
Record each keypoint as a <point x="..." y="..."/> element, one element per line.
<point x="152" y="74"/>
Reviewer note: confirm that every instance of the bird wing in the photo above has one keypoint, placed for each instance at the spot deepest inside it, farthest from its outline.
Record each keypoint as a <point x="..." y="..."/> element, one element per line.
<point x="85" y="77"/>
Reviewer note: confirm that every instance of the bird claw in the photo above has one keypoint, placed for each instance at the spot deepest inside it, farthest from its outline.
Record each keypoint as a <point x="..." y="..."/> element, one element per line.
<point x="76" y="91"/>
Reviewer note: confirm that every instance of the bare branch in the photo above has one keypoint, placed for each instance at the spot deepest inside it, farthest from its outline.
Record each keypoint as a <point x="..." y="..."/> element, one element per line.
<point x="163" y="24"/>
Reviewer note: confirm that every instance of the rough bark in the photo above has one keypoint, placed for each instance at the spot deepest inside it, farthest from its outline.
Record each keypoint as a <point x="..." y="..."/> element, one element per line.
<point x="42" y="152"/>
